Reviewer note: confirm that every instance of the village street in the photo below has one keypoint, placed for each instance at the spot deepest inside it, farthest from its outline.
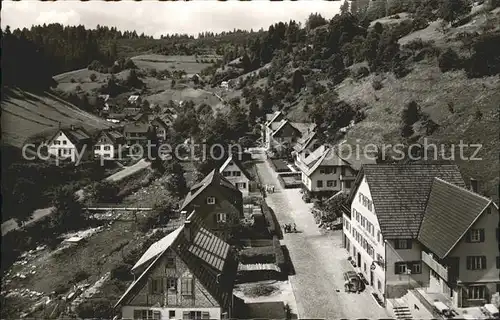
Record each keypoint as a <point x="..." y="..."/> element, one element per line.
<point x="319" y="259"/>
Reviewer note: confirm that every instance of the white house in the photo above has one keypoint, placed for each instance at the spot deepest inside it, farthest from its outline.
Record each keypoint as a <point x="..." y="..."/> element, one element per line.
<point x="233" y="170"/>
<point x="71" y="143"/>
<point x="381" y="231"/>
<point x="324" y="172"/>
<point x="134" y="100"/>
<point x="224" y="85"/>
<point x="109" y="144"/>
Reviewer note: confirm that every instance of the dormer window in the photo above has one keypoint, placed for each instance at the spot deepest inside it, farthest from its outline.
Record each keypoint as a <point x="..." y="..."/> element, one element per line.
<point x="210" y="200"/>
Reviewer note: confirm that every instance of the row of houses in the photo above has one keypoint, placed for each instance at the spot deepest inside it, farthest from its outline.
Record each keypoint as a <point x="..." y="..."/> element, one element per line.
<point x="406" y="226"/>
<point x="418" y="226"/>
<point x="190" y="273"/>
<point x="69" y="142"/>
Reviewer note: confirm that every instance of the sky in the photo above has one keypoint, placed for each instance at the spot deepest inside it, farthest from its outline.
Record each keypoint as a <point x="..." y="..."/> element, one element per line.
<point x="156" y="18"/>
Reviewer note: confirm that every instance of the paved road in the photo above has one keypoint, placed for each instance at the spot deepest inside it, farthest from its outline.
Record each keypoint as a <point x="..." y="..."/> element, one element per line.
<point x="319" y="260"/>
<point x="11" y="224"/>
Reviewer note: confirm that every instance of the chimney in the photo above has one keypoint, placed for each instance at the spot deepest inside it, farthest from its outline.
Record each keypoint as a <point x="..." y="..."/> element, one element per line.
<point x="187" y="230"/>
<point x="474" y="185"/>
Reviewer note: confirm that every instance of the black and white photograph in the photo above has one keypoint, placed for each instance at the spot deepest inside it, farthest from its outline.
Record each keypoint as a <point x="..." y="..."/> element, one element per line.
<point x="205" y="159"/>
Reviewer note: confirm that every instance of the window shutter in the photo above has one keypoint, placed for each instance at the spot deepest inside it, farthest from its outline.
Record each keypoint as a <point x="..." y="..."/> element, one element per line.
<point x="483" y="262"/>
<point x="137" y="314"/>
<point x="185" y="315"/>
<point x="156" y="315"/>
<point x="215" y="218"/>
<point x="162" y="283"/>
<point x="396" y="244"/>
<point x="409" y="244"/>
<point x="205" y="315"/>
<point x="468" y="237"/>
<point x="396" y="267"/>
<point x="481" y="235"/>
<point x="498" y="262"/>
<point x="150" y="286"/>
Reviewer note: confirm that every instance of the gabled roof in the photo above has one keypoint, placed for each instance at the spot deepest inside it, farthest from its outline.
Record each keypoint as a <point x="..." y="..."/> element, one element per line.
<point x="237" y="162"/>
<point x="139" y="116"/>
<point x="77" y="135"/>
<point x="304" y="142"/>
<point x="450" y="212"/>
<point x="213" y="178"/>
<point x="304" y="127"/>
<point x="273" y="117"/>
<point x="329" y="156"/>
<point x="112" y="135"/>
<point x="138" y="127"/>
<point x="207" y="257"/>
<point x="160" y="122"/>
<point x="282" y="124"/>
<point x="133" y="98"/>
<point x="400" y="191"/>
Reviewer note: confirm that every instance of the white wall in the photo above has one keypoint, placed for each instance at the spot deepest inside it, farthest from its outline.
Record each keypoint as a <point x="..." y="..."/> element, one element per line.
<point x="61" y="142"/>
<point x="334" y="176"/>
<point x="378" y="246"/>
<point x="128" y="312"/>
<point x="230" y="169"/>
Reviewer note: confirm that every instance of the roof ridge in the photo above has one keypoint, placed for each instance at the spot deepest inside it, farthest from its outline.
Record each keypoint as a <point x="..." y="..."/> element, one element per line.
<point x="465" y="189"/>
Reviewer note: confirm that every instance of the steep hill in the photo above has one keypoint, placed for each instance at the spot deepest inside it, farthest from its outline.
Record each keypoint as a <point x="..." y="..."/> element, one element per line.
<point x="27" y="115"/>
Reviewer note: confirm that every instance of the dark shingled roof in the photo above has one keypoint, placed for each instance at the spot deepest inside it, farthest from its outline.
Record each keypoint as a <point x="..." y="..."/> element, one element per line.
<point x="213" y="178"/>
<point x="400" y="192"/>
<point x="450" y="212"/>
<point x="209" y="258"/>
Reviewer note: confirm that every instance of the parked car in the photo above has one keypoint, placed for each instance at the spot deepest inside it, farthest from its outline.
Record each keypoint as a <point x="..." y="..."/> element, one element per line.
<point x="353" y="282"/>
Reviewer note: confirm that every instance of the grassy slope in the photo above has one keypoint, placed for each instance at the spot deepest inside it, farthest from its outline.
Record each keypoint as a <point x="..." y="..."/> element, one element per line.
<point x="26" y="114"/>
<point x="433" y="90"/>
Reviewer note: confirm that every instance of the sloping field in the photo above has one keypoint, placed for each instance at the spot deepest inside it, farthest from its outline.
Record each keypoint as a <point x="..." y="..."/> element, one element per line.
<point x="26" y="115"/>
<point x="70" y="81"/>
<point x="171" y="63"/>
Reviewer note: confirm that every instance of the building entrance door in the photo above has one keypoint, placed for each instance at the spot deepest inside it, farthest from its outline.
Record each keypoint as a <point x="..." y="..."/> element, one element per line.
<point x="359" y="259"/>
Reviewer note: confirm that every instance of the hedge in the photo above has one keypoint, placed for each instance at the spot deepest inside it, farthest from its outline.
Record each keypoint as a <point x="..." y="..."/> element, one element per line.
<point x="272" y="225"/>
<point x="278" y="252"/>
<point x="258" y="255"/>
<point x="279" y="165"/>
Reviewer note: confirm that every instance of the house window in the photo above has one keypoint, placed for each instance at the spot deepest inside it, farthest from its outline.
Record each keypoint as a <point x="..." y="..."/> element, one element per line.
<point x="187" y="286"/>
<point x="416" y="268"/>
<point x="226" y="173"/>
<point x="342" y="171"/>
<point x="146" y="314"/>
<point x="498" y="262"/>
<point x="400" y="268"/>
<point x="210" y="200"/>
<point x="237" y="173"/>
<point x="476" y="262"/>
<point x="319" y="184"/>
<point x="171" y="314"/>
<point x="195" y="315"/>
<point x="172" y="284"/>
<point x="328" y="170"/>
<point x="477" y="292"/>
<point x="156" y="286"/>
<point x="170" y="260"/>
<point x="378" y="236"/>
<point x="363" y="222"/>
<point x="97" y="147"/>
<point x="322" y="171"/>
<point x="329" y="183"/>
<point x="107" y="156"/>
<point x="476" y="235"/>
<point x="348" y="184"/>
<point x="403" y="244"/>
<point x="379" y="285"/>
<point x="221" y="217"/>
<point x="64" y="142"/>
<point x="107" y="148"/>
<point x="360" y="197"/>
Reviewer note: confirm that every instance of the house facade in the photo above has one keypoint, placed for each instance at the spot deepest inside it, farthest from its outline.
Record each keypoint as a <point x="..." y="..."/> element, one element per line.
<point x="462" y="253"/>
<point x="71" y="144"/>
<point x="324" y="172"/>
<point x="136" y="132"/>
<point x="189" y="274"/>
<point x="109" y="144"/>
<point x="272" y="122"/>
<point x="161" y="128"/>
<point x="380" y="232"/>
<point x="233" y="171"/>
<point x="218" y="202"/>
<point x="304" y="147"/>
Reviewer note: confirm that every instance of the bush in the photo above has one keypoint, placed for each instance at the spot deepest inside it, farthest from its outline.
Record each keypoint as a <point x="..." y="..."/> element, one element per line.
<point x="449" y="60"/>
<point x="100" y="308"/>
<point x="80" y="276"/>
<point x="93" y="77"/>
<point x="278" y="252"/>
<point x="122" y="272"/>
<point x="377" y="84"/>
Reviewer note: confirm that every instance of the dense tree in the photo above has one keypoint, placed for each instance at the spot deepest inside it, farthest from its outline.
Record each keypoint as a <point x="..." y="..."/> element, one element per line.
<point x="449" y="60"/>
<point x="22" y="194"/>
<point x="451" y="10"/>
<point x="101" y="192"/>
<point x="174" y="178"/>
<point x="315" y="20"/>
<point x="68" y="212"/>
<point x="344" y="8"/>
<point x="298" y="81"/>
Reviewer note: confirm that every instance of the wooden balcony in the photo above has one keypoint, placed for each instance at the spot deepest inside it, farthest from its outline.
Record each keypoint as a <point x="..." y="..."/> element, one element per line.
<point x="435" y="265"/>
